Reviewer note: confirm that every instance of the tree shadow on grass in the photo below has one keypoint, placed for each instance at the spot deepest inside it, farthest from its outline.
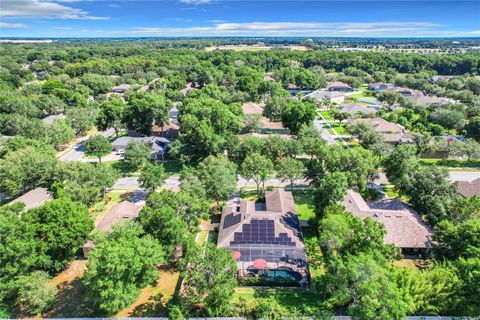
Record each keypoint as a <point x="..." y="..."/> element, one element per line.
<point x="154" y="307"/>
<point x="71" y="301"/>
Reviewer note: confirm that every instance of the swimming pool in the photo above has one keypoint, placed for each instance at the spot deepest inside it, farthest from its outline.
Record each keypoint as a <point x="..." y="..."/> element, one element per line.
<point x="283" y="274"/>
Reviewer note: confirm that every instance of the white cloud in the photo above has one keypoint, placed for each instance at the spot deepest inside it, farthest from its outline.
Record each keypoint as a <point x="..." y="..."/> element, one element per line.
<point x="195" y="2"/>
<point x="44" y="9"/>
<point x="389" y="28"/>
<point x="13" y="25"/>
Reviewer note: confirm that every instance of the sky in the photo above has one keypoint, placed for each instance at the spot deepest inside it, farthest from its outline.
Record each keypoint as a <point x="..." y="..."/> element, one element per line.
<point x="210" y="18"/>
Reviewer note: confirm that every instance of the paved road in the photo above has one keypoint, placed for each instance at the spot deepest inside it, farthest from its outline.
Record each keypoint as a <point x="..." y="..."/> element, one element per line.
<point x="131" y="183"/>
<point x="78" y="150"/>
<point x="464" y="175"/>
<point x="326" y="135"/>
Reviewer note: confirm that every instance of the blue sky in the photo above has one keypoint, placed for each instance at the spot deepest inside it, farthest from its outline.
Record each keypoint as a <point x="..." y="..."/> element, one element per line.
<point x="174" y="18"/>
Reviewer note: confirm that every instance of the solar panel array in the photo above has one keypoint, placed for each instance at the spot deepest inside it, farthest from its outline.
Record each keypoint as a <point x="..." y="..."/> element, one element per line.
<point x="261" y="232"/>
<point x="290" y="220"/>
<point x="231" y="220"/>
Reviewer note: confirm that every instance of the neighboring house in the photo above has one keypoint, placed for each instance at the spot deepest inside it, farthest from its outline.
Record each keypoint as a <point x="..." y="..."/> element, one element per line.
<point x="339" y="86"/>
<point x="421" y="99"/>
<point x="403" y="91"/>
<point x="356" y="108"/>
<point x="122" y="88"/>
<point x="265" y="238"/>
<point x="321" y="95"/>
<point x="123" y="211"/>
<point x="158" y="145"/>
<point x="172" y="129"/>
<point x="380" y="86"/>
<point x="33" y="198"/>
<point x="381" y="125"/>
<point x="444" y="154"/>
<point x="267" y="125"/>
<point x="51" y="119"/>
<point x="392" y="133"/>
<point x="436" y="79"/>
<point x="404" y="227"/>
<point x="469" y="188"/>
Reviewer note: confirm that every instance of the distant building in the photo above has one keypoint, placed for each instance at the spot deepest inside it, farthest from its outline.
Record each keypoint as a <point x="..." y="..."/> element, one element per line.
<point x="339" y="86"/>
<point x="267" y="125"/>
<point x="469" y="188"/>
<point x="403" y="91"/>
<point x="421" y="99"/>
<point x="404" y="227"/>
<point x="357" y="108"/>
<point x="52" y="118"/>
<point x="159" y="145"/>
<point x="392" y="133"/>
<point x="380" y="86"/>
<point x="436" y="79"/>
<point x="265" y="238"/>
<point x="123" y="211"/>
<point x="122" y="88"/>
<point x="320" y="96"/>
<point x="33" y="198"/>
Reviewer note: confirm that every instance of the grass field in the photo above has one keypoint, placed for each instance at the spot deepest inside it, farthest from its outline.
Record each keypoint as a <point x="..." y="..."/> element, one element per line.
<point x="451" y="163"/>
<point x="339" y="128"/>
<point x="305" y="204"/>
<point x="327" y="115"/>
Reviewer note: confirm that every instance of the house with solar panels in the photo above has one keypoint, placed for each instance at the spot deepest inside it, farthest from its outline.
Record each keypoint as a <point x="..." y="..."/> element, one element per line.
<point x="265" y="239"/>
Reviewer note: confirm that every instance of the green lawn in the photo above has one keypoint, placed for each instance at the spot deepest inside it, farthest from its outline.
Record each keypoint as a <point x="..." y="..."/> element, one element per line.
<point x="326" y="114"/>
<point x="305" y="204"/>
<point x="451" y="163"/>
<point x="339" y="128"/>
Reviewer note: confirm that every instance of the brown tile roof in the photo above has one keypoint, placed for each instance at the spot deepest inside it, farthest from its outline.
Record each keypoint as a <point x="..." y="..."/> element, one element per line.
<point x="469" y="188"/>
<point x="278" y="203"/>
<point x="122" y="211"/>
<point x="404" y="227"/>
<point x="380" y="125"/>
<point x="33" y="198"/>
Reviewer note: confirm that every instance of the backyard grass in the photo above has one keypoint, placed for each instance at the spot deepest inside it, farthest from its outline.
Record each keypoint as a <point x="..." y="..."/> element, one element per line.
<point x="99" y="209"/>
<point x="327" y="115"/>
<point x="152" y="300"/>
<point x="288" y="298"/>
<point x="451" y="163"/>
<point x="340" y="128"/>
<point x="305" y="204"/>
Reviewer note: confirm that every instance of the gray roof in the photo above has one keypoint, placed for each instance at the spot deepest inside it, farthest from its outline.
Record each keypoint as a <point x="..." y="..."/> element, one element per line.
<point x="33" y="198"/>
<point x="122" y="142"/>
<point x="122" y="211"/>
<point x="404" y="227"/>
<point x="354" y="108"/>
<point x="51" y="119"/>
<point x="469" y="188"/>
<point x="321" y="94"/>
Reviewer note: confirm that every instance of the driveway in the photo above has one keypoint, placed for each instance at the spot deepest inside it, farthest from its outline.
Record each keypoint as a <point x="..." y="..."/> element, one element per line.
<point x="326" y="135"/>
<point x="464" y="175"/>
<point x="78" y="150"/>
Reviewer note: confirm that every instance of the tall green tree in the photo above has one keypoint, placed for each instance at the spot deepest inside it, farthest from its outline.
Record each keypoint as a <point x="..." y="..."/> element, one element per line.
<point x="25" y="169"/>
<point x="258" y="168"/>
<point x="211" y="280"/>
<point x="143" y="109"/>
<point x="290" y="169"/>
<point x="98" y="146"/>
<point x="137" y="154"/>
<point x="152" y="176"/>
<point x="219" y="176"/>
<point x="111" y="115"/>
<point x="34" y="293"/>
<point x="63" y="226"/>
<point x="120" y="266"/>
<point x="298" y="113"/>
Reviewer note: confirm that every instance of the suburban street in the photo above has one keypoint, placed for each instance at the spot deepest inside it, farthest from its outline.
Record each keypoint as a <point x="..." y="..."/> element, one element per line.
<point x="77" y="151"/>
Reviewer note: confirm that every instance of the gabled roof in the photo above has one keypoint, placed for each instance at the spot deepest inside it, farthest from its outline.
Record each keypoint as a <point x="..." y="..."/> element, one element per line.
<point x="380" y="125"/>
<point x="469" y="188"/>
<point x="252" y="108"/>
<point x="33" y="198"/>
<point x="338" y="84"/>
<point x="354" y="108"/>
<point x="279" y="209"/>
<point x="321" y="94"/>
<point x="52" y="118"/>
<point x="122" y="211"/>
<point x="404" y="227"/>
